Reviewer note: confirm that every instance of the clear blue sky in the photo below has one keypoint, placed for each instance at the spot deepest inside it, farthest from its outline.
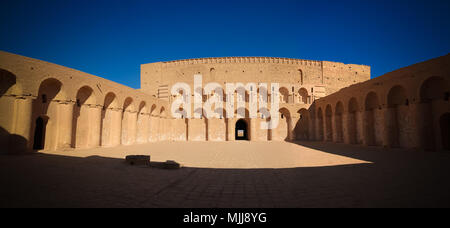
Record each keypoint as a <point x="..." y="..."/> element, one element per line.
<point x="111" y="38"/>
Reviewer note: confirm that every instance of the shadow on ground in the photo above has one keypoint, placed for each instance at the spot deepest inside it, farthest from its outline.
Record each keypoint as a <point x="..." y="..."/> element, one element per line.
<point x="396" y="178"/>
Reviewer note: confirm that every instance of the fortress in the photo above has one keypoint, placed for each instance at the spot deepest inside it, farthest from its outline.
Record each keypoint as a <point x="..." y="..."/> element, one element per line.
<point x="44" y="106"/>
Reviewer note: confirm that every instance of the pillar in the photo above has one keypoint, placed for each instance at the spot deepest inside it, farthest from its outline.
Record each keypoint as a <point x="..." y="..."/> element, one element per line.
<point x="22" y="139"/>
<point x="252" y="131"/>
<point x="65" y="125"/>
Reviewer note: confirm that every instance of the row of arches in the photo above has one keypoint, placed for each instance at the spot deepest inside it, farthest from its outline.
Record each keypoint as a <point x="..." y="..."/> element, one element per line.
<point x="50" y="120"/>
<point x="93" y="123"/>
<point x="301" y="96"/>
<point x="400" y="121"/>
<point x="227" y="129"/>
<point x="88" y="121"/>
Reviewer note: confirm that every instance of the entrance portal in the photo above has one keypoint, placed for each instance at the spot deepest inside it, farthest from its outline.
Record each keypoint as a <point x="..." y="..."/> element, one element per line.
<point x="241" y="132"/>
<point x="39" y="134"/>
<point x="445" y="131"/>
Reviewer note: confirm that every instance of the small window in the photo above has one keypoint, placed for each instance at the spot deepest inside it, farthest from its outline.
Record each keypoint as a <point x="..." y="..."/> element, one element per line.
<point x="44" y="98"/>
<point x="282" y="116"/>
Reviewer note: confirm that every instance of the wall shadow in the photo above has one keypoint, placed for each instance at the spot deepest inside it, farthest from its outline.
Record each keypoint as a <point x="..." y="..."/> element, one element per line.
<point x="45" y="180"/>
<point x="12" y="143"/>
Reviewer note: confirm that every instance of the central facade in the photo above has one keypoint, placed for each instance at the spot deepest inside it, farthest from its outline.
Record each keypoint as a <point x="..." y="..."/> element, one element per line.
<point x="301" y="83"/>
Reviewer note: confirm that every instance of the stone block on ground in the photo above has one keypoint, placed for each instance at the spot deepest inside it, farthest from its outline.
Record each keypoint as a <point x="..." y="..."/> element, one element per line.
<point x="169" y="164"/>
<point x="138" y="159"/>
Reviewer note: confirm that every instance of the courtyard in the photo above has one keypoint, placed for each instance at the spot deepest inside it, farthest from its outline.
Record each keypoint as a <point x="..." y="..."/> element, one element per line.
<point x="228" y="174"/>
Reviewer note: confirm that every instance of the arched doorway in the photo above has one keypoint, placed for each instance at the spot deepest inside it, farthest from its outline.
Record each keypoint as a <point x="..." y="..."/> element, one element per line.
<point x="241" y="132"/>
<point x="284" y="128"/>
<point x="352" y="120"/>
<point x="339" y="122"/>
<point x="397" y="110"/>
<point x="303" y="96"/>
<point x="371" y="106"/>
<point x="83" y="131"/>
<point x="284" y="95"/>
<point x="320" y="125"/>
<point x="432" y="94"/>
<point x="302" y="126"/>
<point x="328" y="124"/>
<point x="444" y="123"/>
<point x="39" y="133"/>
<point x="47" y="107"/>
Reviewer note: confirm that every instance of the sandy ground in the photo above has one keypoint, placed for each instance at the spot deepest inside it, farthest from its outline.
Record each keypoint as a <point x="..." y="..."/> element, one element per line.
<point x="237" y="155"/>
<point x="233" y="174"/>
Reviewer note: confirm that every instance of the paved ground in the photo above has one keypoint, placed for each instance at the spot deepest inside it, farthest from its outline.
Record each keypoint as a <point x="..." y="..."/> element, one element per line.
<point x="281" y="175"/>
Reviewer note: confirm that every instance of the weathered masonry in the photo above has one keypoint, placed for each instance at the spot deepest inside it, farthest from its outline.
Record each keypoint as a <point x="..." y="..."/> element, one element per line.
<point x="44" y="106"/>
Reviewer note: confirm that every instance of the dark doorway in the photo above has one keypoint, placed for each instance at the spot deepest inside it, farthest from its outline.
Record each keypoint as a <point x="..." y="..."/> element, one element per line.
<point x="241" y="132"/>
<point x="445" y="131"/>
<point x="39" y="134"/>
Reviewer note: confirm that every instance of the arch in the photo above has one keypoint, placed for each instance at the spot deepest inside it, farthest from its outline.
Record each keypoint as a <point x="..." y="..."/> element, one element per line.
<point x="110" y="101"/>
<point x="303" y="95"/>
<point x="371" y="101"/>
<point x="444" y="123"/>
<point x="397" y="103"/>
<point x="50" y="91"/>
<point x="142" y="123"/>
<point x="153" y="124"/>
<point x="397" y="96"/>
<point x="8" y="86"/>
<point x="129" y="118"/>
<point x="8" y="83"/>
<point x="371" y="105"/>
<point x="241" y="130"/>
<point x="152" y="109"/>
<point x="83" y="130"/>
<point x="320" y="134"/>
<point x="85" y="95"/>
<point x="352" y="120"/>
<point x="142" y="107"/>
<point x="128" y="104"/>
<point x="434" y="88"/>
<point x="269" y="131"/>
<point x="163" y="124"/>
<point x="284" y="95"/>
<point x="302" y="126"/>
<point x="110" y="121"/>
<point x="433" y="92"/>
<point x="284" y="125"/>
<point x="338" y="119"/>
<point x="328" y="123"/>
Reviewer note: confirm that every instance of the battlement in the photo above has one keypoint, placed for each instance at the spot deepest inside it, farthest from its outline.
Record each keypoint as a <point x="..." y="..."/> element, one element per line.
<point x="215" y="60"/>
